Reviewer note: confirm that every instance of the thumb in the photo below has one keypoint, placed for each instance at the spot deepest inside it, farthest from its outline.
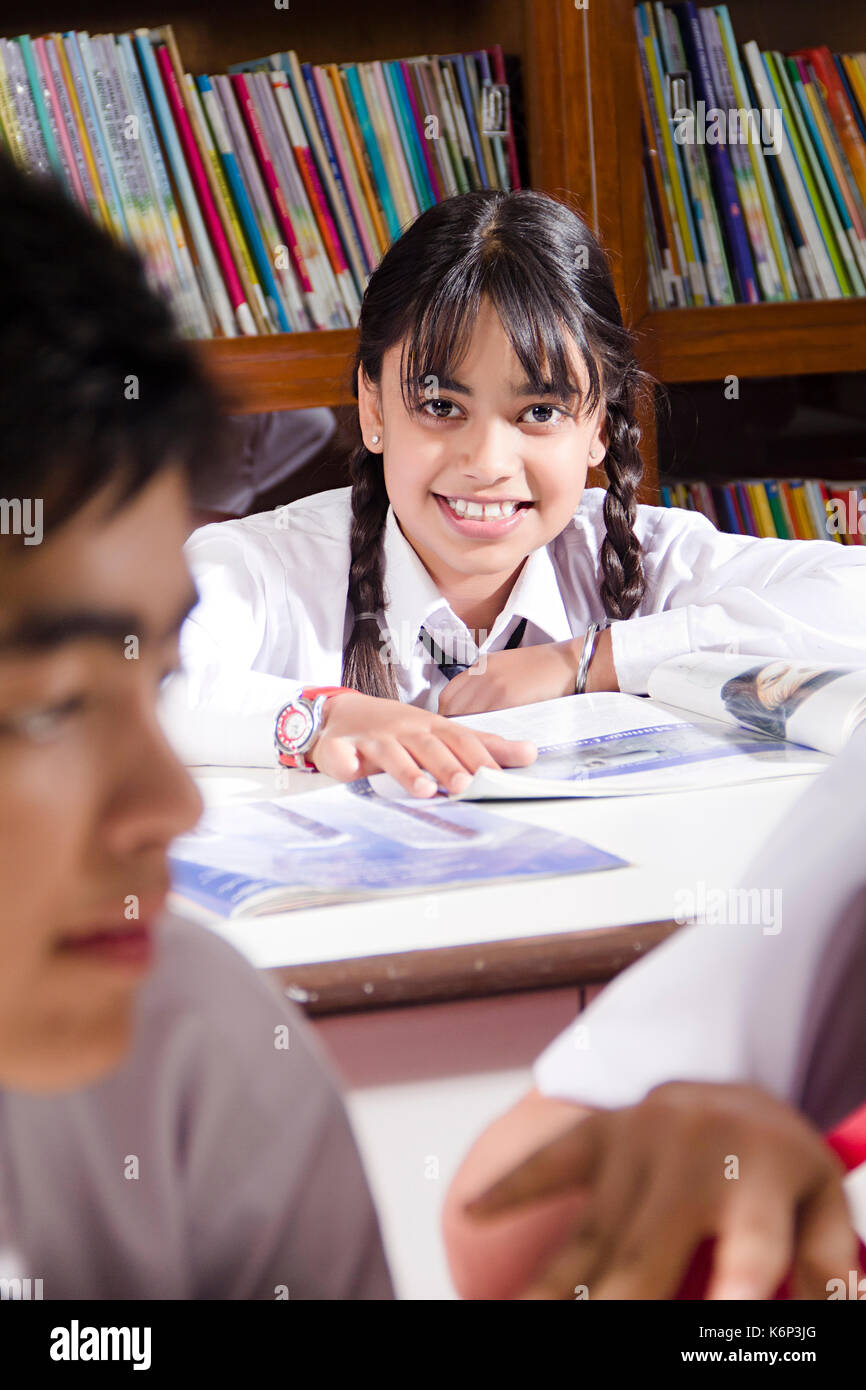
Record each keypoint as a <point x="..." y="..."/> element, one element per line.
<point x="337" y="758"/>
<point x="564" y="1164"/>
<point x="509" y="752"/>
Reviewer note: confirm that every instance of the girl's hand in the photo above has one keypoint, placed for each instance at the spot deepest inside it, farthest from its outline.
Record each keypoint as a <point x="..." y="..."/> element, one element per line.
<point x="658" y="1180"/>
<point x="362" y="734"/>
<point x="526" y="675"/>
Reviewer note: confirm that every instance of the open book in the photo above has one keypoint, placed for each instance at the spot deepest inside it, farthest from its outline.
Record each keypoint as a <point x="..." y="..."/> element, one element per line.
<point x="344" y="843"/>
<point x="712" y="719"/>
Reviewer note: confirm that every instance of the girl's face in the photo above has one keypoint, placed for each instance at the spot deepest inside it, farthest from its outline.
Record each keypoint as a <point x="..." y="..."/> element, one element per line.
<point x="484" y="471"/>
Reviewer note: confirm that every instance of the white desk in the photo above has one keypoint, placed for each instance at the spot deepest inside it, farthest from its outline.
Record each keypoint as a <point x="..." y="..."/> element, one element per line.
<point x="671" y="842"/>
<point x="422" y="1082"/>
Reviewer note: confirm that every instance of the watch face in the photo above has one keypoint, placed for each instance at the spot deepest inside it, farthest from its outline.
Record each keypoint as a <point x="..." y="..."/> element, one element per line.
<point x="294" y="728"/>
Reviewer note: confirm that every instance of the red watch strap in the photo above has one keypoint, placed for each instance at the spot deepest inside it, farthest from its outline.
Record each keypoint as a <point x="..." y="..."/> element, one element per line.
<point x="309" y="692"/>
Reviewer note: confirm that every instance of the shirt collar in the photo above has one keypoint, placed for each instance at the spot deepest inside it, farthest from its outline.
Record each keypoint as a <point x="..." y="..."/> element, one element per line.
<point x="536" y="596"/>
<point x="412" y="598"/>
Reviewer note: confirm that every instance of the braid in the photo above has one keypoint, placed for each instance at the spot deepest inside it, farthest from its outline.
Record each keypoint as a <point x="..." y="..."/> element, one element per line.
<point x="624" y="582"/>
<point x="364" y="668"/>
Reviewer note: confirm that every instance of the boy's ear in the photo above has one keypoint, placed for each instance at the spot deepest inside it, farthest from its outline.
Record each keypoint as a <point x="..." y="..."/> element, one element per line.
<point x="369" y="412"/>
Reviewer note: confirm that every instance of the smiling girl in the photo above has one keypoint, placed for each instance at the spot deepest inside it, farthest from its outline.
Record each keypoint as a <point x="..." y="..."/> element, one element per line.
<point x="467" y="569"/>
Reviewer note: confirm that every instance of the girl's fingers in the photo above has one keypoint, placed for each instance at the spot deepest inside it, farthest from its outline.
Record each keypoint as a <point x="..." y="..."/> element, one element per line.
<point x="433" y="754"/>
<point x="389" y="755"/>
<point x="468" y="747"/>
<point x="755" y="1239"/>
<point x="826" y="1246"/>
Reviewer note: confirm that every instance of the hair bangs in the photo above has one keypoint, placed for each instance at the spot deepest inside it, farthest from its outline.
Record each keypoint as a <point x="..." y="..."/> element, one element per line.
<point x="545" y="337"/>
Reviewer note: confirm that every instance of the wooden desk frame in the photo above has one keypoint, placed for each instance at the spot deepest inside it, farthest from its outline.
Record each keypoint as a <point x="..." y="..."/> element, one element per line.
<point x="449" y="973"/>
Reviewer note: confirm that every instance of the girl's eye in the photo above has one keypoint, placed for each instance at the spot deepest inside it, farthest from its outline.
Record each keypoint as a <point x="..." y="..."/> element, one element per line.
<point x="440" y="408"/>
<point x="542" y="414"/>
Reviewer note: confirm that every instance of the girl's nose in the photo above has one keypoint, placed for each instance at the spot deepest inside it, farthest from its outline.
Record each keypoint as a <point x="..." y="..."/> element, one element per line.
<point x="489" y="458"/>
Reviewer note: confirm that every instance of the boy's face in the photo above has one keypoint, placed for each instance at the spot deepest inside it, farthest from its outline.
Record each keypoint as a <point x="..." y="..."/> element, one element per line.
<point x="90" y="793"/>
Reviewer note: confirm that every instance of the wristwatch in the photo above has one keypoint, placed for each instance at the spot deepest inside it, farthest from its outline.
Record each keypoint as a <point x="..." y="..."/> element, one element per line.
<point x="298" y="725"/>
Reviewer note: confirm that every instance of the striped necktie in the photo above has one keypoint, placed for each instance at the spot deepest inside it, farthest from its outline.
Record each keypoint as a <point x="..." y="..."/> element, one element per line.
<point x="450" y="669"/>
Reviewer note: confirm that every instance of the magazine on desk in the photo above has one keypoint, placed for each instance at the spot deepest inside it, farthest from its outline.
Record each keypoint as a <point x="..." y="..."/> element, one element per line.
<point x="711" y="719"/>
<point x="343" y="844"/>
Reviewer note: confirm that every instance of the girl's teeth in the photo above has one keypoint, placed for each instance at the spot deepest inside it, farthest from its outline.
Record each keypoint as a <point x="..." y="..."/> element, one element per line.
<point x="488" y="511"/>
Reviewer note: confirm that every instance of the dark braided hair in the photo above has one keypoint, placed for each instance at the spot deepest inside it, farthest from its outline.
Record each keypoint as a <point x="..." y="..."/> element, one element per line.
<point x="363" y="666"/>
<point x="549" y="281"/>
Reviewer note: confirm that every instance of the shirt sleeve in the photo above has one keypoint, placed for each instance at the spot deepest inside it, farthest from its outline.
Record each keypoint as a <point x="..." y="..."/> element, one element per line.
<point x="711" y="591"/>
<point x="218" y="709"/>
<point x="727" y="999"/>
<point x="275" y="1200"/>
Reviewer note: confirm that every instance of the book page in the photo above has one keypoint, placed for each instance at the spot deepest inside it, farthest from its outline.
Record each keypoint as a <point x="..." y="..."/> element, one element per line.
<point x="621" y="745"/>
<point x="817" y="706"/>
<point x="345" y="843"/>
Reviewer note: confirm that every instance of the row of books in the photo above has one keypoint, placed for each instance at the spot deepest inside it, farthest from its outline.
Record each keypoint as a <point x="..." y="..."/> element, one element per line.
<point x="796" y="509"/>
<point x="261" y="199"/>
<point x="754" y="164"/>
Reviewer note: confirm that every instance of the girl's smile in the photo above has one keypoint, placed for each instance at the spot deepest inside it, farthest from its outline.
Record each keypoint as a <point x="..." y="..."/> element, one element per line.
<point x="481" y="518"/>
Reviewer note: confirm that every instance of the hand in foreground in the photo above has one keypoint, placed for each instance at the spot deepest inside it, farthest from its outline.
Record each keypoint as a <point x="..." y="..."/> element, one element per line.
<point x="654" y="1176"/>
<point x="362" y="734"/>
<point x="525" y="675"/>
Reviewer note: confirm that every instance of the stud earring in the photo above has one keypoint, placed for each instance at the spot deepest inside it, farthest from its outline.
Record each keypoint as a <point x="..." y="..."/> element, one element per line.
<point x="374" y="439"/>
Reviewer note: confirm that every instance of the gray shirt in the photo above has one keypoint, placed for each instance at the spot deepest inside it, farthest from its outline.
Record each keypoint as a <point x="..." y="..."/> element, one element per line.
<point x="217" y="1162"/>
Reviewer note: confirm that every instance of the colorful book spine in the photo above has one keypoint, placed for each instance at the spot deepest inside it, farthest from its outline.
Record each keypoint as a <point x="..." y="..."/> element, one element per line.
<point x="755" y="163"/>
<point x="784" y="509"/>
<point x="742" y="101"/>
<point x="272" y="308"/>
<point x="261" y="200"/>
<point x="720" y="162"/>
<point x="274" y="100"/>
<point x="756" y="227"/>
<point x="680" y="221"/>
<point x="195" y="162"/>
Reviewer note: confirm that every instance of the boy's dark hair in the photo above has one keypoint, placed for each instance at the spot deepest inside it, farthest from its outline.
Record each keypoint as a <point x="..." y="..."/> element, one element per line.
<point x="549" y="281"/>
<point x="96" y="387"/>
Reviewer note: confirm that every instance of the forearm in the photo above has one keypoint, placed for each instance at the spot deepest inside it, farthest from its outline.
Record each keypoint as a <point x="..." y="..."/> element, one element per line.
<point x="226" y="721"/>
<point x="602" y="671"/>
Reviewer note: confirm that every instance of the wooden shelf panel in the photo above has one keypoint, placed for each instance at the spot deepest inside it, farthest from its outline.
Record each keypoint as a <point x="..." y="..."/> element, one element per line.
<point x="752" y="340"/>
<point x="283" y="371"/>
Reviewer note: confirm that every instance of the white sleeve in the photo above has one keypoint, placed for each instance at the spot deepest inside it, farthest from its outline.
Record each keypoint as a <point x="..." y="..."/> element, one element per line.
<point x="728" y="1001"/>
<point x="219" y="709"/>
<point x="710" y="591"/>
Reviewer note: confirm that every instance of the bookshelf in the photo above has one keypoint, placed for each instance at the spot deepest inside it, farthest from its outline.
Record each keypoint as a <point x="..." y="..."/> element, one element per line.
<point x="753" y="340"/>
<point x="578" y="128"/>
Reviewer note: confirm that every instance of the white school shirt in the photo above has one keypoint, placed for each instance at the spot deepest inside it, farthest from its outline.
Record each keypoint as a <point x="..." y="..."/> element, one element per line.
<point x="273" y="610"/>
<point x="212" y="1164"/>
<point x="742" y="1001"/>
